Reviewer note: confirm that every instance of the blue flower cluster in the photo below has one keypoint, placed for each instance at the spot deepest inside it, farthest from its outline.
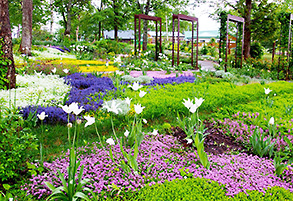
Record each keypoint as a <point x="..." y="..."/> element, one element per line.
<point x="62" y="49"/>
<point x="84" y="86"/>
<point x="55" y="114"/>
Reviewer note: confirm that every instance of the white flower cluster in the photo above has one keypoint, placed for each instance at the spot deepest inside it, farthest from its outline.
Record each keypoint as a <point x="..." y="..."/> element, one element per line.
<point x="50" y="89"/>
<point x="140" y="79"/>
<point x="50" y="53"/>
<point x="78" y="47"/>
<point x="163" y="56"/>
<point x="117" y="106"/>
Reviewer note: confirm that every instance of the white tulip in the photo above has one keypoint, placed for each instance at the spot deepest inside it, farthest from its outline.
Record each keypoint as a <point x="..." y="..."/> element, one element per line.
<point x="187" y="103"/>
<point x="54" y="70"/>
<point x="42" y="116"/>
<point x="138" y="108"/>
<point x="199" y="101"/>
<point x="142" y="93"/>
<point x="267" y="91"/>
<point x="66" y="109"/>
<point x="189" y="141"/>
<point x="136" y="86"/>
<point x="65" y="70"/>
<point x="110" y="141"/>
<point x="128" y="100"/>
<point x="74" y="108"/>
<point x="126" y="133"/>
<point x="113" y="108"/>
<point x="272" y="121"/>
<point x="90" y="120"/>
<point x="155" y="132"/>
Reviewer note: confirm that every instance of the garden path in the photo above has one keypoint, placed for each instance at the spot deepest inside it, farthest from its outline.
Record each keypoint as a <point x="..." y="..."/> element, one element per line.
<point x="205" y="66"/>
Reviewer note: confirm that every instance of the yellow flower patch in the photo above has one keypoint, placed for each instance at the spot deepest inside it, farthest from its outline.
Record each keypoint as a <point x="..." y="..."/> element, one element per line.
<point x="89" y="69"/>
<point x="79" y="62"/>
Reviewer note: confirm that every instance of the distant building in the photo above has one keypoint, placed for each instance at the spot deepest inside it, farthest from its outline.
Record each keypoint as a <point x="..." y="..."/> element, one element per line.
<point x="124" y="36"/>
<point x="203" y="36"/>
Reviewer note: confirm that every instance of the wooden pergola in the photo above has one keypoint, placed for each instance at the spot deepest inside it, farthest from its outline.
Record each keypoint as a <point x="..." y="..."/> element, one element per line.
<point x="147" y="17"/>
<point x="186" y="18"/>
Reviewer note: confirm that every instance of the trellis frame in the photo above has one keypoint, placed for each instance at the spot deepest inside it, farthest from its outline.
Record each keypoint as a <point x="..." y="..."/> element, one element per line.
<point x="282" y="47"/>
<point x="237" y="20"/>
<point x="192" y="20"/>
<point x="152" y="18"/>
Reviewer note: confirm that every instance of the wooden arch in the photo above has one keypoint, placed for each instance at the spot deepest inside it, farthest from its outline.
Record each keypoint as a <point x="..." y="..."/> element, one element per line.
<point x="186" y="18"/>
<point x="147" y="17"/>
<point x="237" y="20"/>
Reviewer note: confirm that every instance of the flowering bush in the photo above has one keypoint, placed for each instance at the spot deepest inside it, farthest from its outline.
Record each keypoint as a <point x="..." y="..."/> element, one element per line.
<point x="35" y="89"/>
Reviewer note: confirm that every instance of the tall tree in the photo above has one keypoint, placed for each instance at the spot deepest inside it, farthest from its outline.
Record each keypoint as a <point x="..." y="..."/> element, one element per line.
<point x="6" y="56"/>
<point x="27" y="20"/>
<point x="41" y="12"/>
<point x="118" y="14"/>
<point x="259" y="15"/>
<point x="68" y="9"/>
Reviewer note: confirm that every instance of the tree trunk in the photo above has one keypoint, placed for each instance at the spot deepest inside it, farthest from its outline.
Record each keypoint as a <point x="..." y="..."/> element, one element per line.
<point x="52" y="17"/>
<point x="116" y="20"/>
<point x="27" y="17"/>
<point x="76" y="32"/>
<point x="100" y="29"/>
<point x="247" y="29"/>
<point x="116" y="32"/>
<point x="6" y="45"/>
<point x="68" y="21"/>
<point x="77" y="28"/>
<point x="145" y="27"/>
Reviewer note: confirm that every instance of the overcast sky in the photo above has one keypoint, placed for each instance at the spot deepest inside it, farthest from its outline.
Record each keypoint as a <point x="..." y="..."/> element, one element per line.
<point x="202" y="13"/>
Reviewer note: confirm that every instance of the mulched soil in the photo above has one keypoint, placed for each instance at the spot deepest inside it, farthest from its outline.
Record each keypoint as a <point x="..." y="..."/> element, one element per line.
<point x="216" y="142"/>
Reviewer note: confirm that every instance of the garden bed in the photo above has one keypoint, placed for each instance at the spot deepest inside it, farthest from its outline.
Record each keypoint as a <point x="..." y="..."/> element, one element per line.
<point x="167" y="156"/>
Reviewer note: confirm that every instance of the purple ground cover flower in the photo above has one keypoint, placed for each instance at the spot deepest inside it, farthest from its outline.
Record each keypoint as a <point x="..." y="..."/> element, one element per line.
<point x="241" y="127"/>
<point x="238" y="172"/>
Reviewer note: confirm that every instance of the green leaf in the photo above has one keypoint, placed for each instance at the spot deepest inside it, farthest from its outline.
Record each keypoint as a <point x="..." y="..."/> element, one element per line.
<point x="6" y="187"/>
<point x="50" y="186"/>
<point x="81" y="195"/>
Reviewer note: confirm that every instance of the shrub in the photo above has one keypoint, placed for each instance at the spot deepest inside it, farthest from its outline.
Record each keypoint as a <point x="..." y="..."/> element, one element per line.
<point x="186" y="189"/>
<point x="16" y="143"/>
<point x="271" y="194"/>
<point x="203" y="189"/>
<point x="256" y="50"/>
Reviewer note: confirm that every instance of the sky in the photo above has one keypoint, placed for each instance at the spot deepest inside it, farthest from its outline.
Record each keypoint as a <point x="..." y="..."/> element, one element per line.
<point x="205" y="22"/>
